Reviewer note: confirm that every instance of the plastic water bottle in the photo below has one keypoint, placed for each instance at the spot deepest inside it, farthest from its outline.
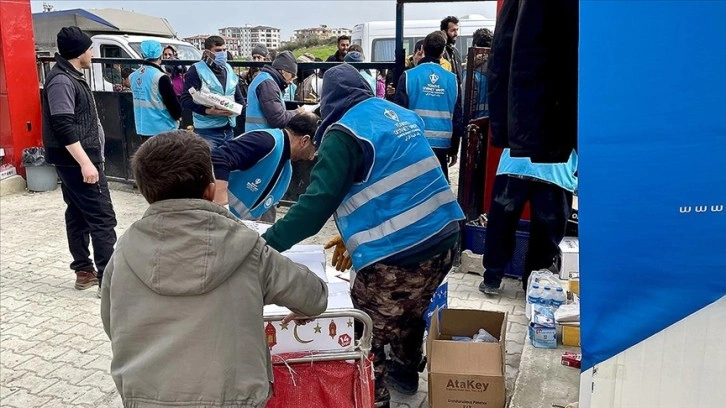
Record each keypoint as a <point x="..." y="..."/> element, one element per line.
<point x="535" y="294"/>
<point x="547" y="296"/>
<point x="559" y="298"/>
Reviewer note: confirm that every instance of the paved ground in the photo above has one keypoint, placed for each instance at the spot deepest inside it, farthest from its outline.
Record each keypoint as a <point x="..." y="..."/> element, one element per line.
<point x="53" y="351"/>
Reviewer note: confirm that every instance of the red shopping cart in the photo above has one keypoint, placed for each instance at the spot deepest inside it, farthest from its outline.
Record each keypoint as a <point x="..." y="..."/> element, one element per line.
<point x="341" y="379"/>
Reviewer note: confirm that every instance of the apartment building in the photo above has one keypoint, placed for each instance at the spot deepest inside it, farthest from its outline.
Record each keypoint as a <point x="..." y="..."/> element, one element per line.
<point x="249" y="36"/>
<point x="233" y="43"/>
<point x="322" y="32"/>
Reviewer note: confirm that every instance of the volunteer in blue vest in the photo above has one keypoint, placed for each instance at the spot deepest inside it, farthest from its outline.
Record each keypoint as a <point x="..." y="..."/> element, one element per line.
<point x="397" y="217"/>
<point x="253" y="170"/>
<point x="433" y="93"/>
<point x="215" y="75"/>
<point x="156" y="107"/>
<point x="548" y="188"/>
<point x="265" y="96"/>
<point x="482" y="39"/>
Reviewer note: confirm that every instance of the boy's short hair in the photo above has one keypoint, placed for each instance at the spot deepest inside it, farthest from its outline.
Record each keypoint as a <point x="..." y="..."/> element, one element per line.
<point x="434" y="44"/>
<point x="483" y="38"/>
<point x="173" y="165"/>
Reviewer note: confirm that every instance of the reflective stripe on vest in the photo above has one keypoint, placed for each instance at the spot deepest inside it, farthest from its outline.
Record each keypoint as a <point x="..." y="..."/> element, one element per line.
<point x="404" y="198"/>
<point x="210" y="83"/>
<point x="432" y="93"/>
<point x="255" y="118"/>
<point x="246" y="187"/>
<point x="150" y="114"/>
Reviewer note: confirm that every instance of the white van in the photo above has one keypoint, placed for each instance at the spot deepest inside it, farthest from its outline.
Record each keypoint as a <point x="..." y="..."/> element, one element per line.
<point x="103" y="76"/>
<point x="378" y="38"/>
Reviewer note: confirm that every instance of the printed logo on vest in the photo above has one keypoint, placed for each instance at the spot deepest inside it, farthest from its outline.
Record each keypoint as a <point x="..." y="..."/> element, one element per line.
<point x="254" y="186"/>
<point x="268" y="202"/>
<point x="391" y="115"/>
<point x="434" y="78"/>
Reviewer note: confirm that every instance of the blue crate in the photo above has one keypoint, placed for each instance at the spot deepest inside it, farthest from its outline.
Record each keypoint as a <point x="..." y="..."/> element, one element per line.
<point x="474" y="236"/>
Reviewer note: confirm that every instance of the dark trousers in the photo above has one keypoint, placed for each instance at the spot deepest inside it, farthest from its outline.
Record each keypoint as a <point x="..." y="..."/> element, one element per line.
<point x="89" y="219"/>
<point x="550" y="208"/>
<point x="396" y="297"/>
<point x="443" y="160"/>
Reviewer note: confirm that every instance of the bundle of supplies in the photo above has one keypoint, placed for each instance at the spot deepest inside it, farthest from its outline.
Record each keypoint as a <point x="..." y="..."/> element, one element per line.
<point x="211" y="100"/>
<point x="544" y="296"/>
<point x="482" y="336"/>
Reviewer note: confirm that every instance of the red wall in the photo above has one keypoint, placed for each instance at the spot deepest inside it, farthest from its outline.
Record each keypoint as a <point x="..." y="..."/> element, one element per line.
<point x="20" y="117"/>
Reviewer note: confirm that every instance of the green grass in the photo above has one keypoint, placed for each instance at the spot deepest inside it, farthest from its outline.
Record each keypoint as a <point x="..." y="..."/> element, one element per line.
<point x="322" y="52"/>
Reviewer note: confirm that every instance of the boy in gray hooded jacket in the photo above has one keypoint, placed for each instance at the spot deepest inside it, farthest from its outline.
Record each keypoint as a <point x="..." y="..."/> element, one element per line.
<point x="182" y="296"/>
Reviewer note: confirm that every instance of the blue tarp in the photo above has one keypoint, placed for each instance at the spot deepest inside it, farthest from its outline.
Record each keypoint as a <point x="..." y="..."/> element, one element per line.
<point x="652" y="128"/>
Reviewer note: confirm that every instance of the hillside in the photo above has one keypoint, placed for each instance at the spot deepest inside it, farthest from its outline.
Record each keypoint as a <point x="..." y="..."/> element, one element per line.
<point x="322" y="51"/>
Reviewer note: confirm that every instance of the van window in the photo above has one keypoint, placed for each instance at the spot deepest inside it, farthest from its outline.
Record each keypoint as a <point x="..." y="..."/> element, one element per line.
<point x="384" y="49"/>
<point x="112" y="72"/>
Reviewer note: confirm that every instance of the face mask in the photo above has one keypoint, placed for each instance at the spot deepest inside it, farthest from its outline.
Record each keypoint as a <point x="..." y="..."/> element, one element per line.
<point x="220" y="58"/>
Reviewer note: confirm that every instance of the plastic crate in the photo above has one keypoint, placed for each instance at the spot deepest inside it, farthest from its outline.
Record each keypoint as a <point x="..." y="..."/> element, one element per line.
<point x="474" y="236"/>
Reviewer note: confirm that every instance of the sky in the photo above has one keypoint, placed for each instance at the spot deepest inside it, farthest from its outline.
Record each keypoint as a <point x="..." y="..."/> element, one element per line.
<point x="205" y="17"/>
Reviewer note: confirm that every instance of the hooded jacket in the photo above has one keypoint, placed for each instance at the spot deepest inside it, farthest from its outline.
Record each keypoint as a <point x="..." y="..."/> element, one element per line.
<point x="182" y="302"/>
<point x="342" y="160"/>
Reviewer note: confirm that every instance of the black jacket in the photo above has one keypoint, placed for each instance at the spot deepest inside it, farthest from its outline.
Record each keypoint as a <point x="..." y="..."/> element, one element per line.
<point x="83" y="126"/>
<point x="532" y="79"/>
<point x="268" y="94"/>
<point x="452" y="55"/>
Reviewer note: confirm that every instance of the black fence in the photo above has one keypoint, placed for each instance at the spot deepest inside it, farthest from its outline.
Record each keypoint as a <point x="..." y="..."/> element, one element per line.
<point x="116" y="112"/>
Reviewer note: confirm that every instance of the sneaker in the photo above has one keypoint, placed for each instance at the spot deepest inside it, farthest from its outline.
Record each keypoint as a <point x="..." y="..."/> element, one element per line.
<point x="86" y="280"/>
<point x="98" y="292"/>
<point x="490" y="289"/>
<point x="402" y="379"/>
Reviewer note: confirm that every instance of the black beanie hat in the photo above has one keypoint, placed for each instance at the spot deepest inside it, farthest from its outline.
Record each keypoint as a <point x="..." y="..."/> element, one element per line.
<point x="286" y="62"/>
<point x="72" y="42"/>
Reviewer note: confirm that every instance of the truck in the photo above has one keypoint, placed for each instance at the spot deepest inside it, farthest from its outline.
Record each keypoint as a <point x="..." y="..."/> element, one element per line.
<point x="115" y="34"/>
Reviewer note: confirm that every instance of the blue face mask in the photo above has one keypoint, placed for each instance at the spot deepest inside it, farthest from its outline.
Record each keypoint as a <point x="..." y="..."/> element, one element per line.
<point x="220" y="58"/>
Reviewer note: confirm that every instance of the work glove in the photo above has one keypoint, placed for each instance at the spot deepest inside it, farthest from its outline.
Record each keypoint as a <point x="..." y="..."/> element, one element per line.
<point x="341" y="258"/>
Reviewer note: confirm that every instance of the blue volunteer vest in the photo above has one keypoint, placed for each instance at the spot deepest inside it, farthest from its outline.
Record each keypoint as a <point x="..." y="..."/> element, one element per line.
<point x="404" y="198"/>
<point x="255" y="117"/>
<point x="481" y="104"/>
<point x="246" y="187"/>
<point x="211" y="84"/>
<point x="289" y="94"/>
<point x="561" y="174"/>
<point x="150" y="113"/>
<point x="432" y="93"/>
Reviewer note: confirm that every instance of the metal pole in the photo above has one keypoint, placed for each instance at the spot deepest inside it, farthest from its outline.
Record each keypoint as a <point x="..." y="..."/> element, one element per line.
<point x="400" y="52"/>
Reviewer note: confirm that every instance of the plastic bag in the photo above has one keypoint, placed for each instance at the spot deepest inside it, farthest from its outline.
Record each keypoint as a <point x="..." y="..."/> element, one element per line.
<point x="33" y="157"/>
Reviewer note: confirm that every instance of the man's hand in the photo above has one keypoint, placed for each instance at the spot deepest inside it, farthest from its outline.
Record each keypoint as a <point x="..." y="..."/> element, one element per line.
<point x="453" y="158"/>
<point x="300" y="110"/>
<point x="299" y="320"/>
<point x="390" y="90"/>
<point x="221" y="193"/>
<point x="218" y="112"/>
<point x="90" y="173"/>
<point x="341" y="258"/>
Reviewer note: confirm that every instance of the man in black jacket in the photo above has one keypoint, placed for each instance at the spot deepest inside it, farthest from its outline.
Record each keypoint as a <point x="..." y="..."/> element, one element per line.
<point x="343" y="44"/>
<point x="450" y="26"/>
<point x="74" y="143"/>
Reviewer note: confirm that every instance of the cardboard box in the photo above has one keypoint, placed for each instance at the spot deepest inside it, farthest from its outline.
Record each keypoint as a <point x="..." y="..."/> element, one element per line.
<point x="570" y="248"/>
<point x="466" y="374"/>
<point x="570" y="334"/>
<point x="320" y="335"/>
<point x="543" y="337"/>
<point x="6" y="171"/>
<point x="440" y="301"/>
<point x="570" y="359"/>
<point x="574" y="285"/>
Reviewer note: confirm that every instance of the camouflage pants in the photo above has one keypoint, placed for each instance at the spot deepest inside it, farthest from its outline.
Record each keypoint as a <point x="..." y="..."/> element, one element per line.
<point x="396" y="299"/>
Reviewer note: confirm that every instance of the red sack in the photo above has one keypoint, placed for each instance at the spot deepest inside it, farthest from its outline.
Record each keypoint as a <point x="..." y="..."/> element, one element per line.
<point x="321" y="384"/>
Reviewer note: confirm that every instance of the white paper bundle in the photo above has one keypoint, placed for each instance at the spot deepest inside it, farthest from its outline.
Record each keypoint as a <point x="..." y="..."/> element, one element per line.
<point x="215" y="101"/>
